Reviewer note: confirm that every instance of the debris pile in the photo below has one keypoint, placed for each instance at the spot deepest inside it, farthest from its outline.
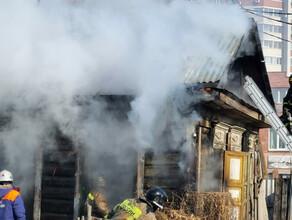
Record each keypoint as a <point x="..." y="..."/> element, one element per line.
<point x="199" y="206"/>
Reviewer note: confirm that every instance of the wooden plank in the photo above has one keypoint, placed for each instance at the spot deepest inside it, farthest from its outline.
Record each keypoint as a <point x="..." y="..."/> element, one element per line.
<point x="222" y="185"/>
<point x="50" y="216"/>
<point x="205" y="123"/>
<point x="57" y="206"/>
<point x="290" y="197"/>
<point x="140" y="174"/>
<point x="77" y="189"/>
<point x="232" y="108"/>
<point x="58" y="163"/>
<point x="191" y="155"/>
<point x="60" y="171"/>
<point x="68" y="182"/>
<point x="198" y="158"/>
<point x="38" y="185"/>
<point x="61" y="156"/>
<point x="248" y="208"/>
<point x="284" y="199"/>
<point x="262" y="210"/>
<point x="263" y="159"/>
<point x="170" y="158"/>
<point x="277" y="201"/>
<point x="165" y="183"/>
<point x="236" y="105"/>
<point x="89" y="211"/>
<point x="252" y="185"/>
<point x="58" y="192"/>
<point x="162" y="171"/>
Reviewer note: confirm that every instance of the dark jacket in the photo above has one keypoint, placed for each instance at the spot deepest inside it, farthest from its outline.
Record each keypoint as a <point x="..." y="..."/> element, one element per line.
<point x="11" y="205"/>
<point x="287" y="101"/>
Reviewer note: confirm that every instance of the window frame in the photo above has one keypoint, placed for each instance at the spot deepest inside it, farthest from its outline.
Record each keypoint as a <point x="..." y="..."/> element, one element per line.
<point x="278" y="140"/>
<point x="280" y="93"/>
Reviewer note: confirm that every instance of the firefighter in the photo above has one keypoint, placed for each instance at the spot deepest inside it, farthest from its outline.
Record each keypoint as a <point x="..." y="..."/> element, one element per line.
<point x="97" y="200"/>
<point x="11" y="203"/>
<point x="142" y="208"/>
<point x="287" y="108"/>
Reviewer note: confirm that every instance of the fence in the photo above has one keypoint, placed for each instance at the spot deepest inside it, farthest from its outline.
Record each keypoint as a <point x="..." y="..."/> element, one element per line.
<point x="278" y="196"/>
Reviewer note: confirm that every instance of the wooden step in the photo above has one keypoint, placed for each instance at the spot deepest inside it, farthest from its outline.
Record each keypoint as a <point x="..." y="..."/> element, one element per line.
<point x="61" y="156"/>
<point x="58" y="181"/>
<point x="55" y="216"/>
<point x="53" y="165"/>
<point x="57" y="206"/>
<point x="48" y="170"/>
<point x="58" y="193"/>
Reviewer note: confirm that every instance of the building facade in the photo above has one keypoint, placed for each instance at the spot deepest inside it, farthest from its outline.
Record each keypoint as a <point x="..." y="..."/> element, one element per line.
<point x="272" y="17"/>
<point x="274" y="24"/>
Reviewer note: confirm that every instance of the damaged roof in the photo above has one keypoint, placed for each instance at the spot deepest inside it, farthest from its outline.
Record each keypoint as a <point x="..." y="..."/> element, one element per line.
<point x="208" y="69"/>
<point x="209" y="72"/>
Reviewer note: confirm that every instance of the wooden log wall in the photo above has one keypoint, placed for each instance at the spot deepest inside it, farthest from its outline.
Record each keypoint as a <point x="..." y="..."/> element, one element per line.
<point x="164" y="171"/>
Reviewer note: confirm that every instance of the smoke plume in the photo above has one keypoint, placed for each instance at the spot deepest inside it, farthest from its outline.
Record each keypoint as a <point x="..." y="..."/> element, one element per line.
<point x="57" y="57"/>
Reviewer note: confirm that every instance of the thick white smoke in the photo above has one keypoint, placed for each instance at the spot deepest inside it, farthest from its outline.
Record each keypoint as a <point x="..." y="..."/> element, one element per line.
<point x="54" y="51"/>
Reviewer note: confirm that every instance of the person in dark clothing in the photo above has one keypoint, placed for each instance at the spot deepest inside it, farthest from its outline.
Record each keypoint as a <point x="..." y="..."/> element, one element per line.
<point x="287" y="108"/>
<point x="11" y="203"/>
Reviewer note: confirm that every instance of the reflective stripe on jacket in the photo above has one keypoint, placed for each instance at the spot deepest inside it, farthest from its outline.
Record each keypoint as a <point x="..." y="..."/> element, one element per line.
<point x="287" y="100"/>
<point x="11" y="205"/>
<point x="121" y="213"/>
<point x="98" y="202"/>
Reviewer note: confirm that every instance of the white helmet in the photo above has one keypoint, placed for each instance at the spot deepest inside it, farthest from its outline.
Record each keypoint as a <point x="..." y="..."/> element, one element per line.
<point x="6" y="176"/>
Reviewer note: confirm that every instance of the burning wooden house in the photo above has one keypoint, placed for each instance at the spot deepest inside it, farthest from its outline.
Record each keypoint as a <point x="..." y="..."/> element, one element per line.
<point x="226" y="154"/>
<point x="221" y="151"/>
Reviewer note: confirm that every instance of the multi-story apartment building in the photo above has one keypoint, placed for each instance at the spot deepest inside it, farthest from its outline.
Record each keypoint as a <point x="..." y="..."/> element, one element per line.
<point x="274" y="23"/>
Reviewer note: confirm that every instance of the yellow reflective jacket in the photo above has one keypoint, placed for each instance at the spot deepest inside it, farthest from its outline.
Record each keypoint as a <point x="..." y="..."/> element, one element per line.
<point x="131" y="209"/>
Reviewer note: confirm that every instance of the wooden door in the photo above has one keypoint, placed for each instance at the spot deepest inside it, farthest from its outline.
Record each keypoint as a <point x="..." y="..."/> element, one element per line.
<point x="234" y="168"/>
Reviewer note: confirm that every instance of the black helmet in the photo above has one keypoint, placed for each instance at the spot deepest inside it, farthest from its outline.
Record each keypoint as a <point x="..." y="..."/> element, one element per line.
<point x="157" y="197"/>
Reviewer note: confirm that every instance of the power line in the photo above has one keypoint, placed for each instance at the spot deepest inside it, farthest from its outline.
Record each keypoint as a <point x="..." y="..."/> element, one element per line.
<point x="268" y="12"/>
<point x="249" y="11"/>
<point x="284" y="22"/>
<point x="277" y="37"/>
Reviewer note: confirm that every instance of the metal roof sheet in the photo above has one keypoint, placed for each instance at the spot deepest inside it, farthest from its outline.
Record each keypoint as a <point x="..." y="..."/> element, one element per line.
<point x="211" y="68"/>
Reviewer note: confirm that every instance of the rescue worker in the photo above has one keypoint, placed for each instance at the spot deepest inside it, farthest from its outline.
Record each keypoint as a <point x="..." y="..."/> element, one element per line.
<point x="11" y="203"/>
<point x="142" y="208"/>
<point x="287" y="108"/>
<point x="97" y="200"/>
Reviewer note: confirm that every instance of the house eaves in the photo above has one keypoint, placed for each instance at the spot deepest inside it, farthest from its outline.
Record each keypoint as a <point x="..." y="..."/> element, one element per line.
<point x="229" y="105"/>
